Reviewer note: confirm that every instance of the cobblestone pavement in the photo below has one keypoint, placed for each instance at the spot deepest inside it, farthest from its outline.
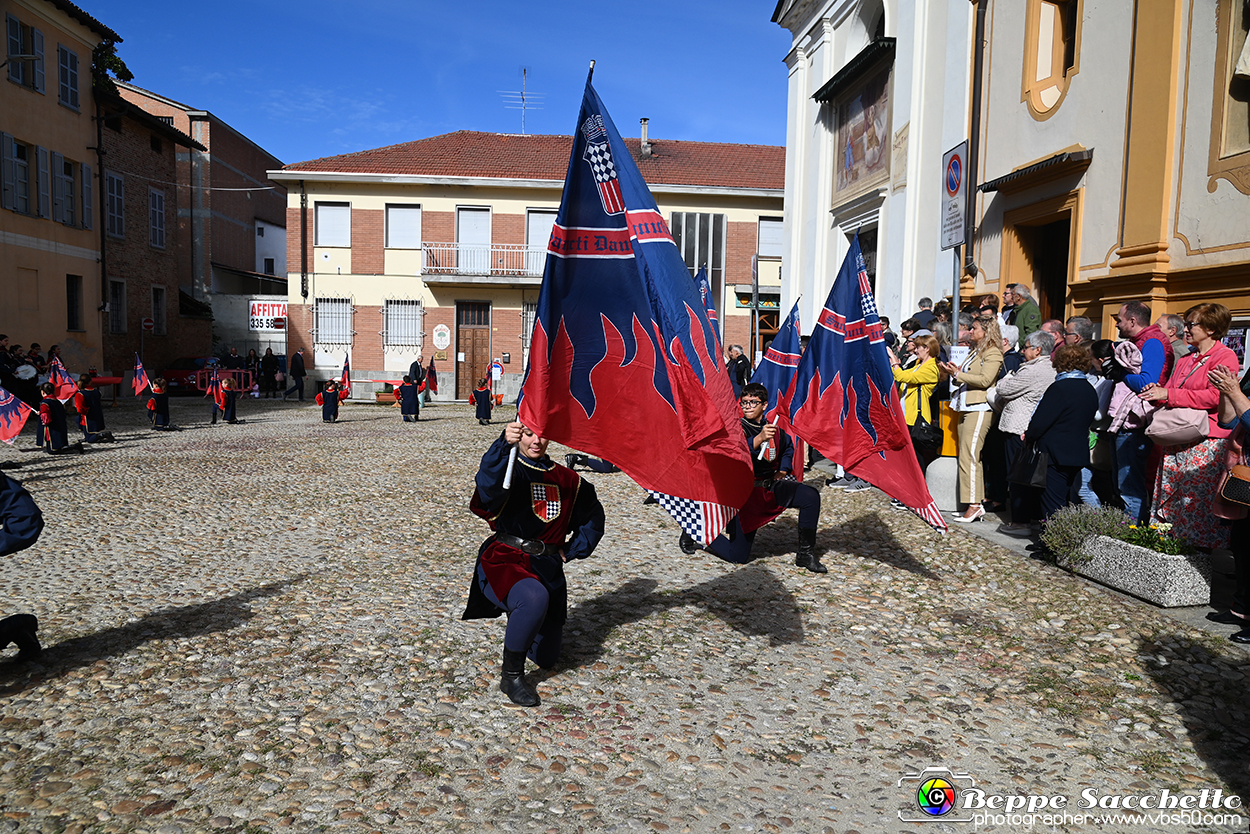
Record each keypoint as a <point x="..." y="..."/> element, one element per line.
<point x="255" y="628"/>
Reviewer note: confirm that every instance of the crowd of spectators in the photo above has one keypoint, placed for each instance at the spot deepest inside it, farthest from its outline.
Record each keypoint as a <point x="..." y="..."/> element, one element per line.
<point x="1148" y="423"/>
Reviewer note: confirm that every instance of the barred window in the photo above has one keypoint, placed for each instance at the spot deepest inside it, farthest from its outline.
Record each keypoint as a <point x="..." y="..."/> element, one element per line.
<point x="401" y="323"/>
<point x="332" y="321"/>
<point x="529" y="311"/>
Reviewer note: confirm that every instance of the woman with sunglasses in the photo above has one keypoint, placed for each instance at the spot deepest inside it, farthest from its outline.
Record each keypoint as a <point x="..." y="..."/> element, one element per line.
<point x="969" y="382"/>
<point x="1189" y="474"/>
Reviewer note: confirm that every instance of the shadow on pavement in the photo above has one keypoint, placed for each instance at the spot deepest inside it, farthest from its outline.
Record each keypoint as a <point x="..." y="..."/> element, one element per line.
<point x="751" y="600"/>
<point x="182" y="621"/>
<point x="1210" y="691"/>
<point x="868" y="537"/>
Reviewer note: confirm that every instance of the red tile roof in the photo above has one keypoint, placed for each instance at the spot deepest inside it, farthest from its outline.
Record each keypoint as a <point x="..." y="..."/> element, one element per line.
<point x="471" y="153"/>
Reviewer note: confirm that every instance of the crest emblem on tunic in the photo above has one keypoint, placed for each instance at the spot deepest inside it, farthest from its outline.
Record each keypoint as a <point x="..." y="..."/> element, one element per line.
<point x="546" y="501"/>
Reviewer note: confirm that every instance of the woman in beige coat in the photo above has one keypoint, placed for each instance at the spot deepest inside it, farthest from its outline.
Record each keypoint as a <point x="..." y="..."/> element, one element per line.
<point x="969" y="382"/>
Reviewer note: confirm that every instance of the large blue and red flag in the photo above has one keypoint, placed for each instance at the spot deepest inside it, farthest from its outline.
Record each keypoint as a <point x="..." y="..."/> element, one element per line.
<point x="13" y="414"/>
<point x="709" y="302"/>
<point x="623" y="361"/>
<point x="843" y="400"/>
<point x="141" y="376"/>
<point x="61" y="380"/>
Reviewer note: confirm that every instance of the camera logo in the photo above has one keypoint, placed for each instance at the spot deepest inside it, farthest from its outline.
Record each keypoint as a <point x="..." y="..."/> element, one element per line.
<point x="936" y="795"/>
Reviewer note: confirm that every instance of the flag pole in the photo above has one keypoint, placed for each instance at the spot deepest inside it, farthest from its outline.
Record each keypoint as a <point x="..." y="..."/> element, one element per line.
<point x="764" y="446"/>
<point x="592" y="72"/>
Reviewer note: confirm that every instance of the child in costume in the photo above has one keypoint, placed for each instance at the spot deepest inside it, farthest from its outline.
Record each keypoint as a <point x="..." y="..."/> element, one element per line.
<point x="158" y="405"/>
<point x="225" y="401"/>
<point x="53" y="430"/>
<point x="328" y="399"/>
<point x="482" y="396"/>
<point x="409" y="397"/>
<point x="90" y="407"/>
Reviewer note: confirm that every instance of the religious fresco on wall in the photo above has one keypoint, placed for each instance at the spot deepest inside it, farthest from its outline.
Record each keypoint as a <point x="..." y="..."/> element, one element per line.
<point x="863" y="150"/>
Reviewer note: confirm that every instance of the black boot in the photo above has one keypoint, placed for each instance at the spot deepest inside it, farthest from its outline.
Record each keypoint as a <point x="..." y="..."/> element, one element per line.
<point x="20" y="629"/>
<point x="572" y="460"/>
<point x="513" y="682"/>
<point x="805" y="556"/>
<point x="687" y="544"/>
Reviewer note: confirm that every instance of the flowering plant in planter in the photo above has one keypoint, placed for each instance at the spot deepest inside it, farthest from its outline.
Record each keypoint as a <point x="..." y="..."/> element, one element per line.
<point x="1068" y="530"/>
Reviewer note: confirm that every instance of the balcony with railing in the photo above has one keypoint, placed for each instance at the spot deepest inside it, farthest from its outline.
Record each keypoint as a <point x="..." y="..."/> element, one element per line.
<point x="513" y="264"/>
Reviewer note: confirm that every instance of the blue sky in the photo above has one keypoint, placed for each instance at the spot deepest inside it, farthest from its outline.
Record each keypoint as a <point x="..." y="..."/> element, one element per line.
<point x="317" y="78"/>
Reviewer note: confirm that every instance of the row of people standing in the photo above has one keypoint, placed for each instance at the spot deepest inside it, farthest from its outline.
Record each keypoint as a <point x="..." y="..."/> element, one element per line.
<point x="1070" y="396"/>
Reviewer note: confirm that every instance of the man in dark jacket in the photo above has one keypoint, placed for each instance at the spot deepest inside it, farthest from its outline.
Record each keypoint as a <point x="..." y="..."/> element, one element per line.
<point x="739" y="369"/>
<point x="297" y="374"/>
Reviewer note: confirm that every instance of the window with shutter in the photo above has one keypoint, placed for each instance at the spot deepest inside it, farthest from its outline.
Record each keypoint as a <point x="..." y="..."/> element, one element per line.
<point x="68" y="64"/>
<point x="156" y="218"/>
<point x="115" y="204"/>
<point x="58" y="164"/>
<point x="87" y="215"/>
<point x="403" y="227"/>
<point x="333" y="224"/>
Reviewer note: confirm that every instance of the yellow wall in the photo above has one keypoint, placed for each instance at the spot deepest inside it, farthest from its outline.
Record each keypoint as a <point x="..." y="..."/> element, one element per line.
<point x="38" y="252"/>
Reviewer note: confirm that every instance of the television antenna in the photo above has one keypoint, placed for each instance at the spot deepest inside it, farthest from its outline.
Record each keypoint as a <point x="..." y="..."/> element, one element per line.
<point x="522" y="99"/>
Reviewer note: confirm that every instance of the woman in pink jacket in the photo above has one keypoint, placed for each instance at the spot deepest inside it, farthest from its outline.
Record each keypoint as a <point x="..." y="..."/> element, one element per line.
<point x="1189" y="475"/>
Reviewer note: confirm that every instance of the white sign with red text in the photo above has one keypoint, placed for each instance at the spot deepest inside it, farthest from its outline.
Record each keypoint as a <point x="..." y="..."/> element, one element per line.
<point x="266" y="315"/>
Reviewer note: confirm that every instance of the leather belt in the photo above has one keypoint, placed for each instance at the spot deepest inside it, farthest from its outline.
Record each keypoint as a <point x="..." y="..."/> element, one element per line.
<point x="528" y="546"/>
<point x="767" y="483"/>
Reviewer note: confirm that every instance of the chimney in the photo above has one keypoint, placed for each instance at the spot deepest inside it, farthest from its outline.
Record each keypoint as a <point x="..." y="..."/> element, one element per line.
<point x="646" y="145"/>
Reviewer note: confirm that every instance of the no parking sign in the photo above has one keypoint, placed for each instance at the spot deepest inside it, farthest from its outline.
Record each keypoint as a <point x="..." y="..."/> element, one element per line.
<point x="954" y="195"/>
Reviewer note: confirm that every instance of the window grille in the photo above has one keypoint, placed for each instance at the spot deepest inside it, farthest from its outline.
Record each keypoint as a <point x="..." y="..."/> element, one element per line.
<point x="401" y="323"/>
<point x="529" y="312"/>
<point x="332" y="321"/>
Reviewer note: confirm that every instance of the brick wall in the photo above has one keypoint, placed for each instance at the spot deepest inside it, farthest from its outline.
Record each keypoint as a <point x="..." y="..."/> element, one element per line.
<point x="299" y="323"/>
<point x="367" y="343"/>
<point x="507" y="228"/>
<point x="737" y="331"/>
<point x="368" y="257"/>
<point x="506" y="338"/>
<point x="133" y="260"/>
<point x="446" y="368"/>
<point x="438" y="226"/>
<point x="740" y="246"/>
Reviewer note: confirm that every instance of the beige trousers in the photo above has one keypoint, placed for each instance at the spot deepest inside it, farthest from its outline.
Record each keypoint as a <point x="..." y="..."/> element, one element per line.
<point x="974" y="427"/>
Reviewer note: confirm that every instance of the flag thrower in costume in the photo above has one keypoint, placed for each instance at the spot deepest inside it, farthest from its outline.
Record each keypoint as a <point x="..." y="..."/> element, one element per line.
<point x="345" y="384"/>
<point x="843" y="400"/>
<point x="13" y="414"/>
<point x="623" y="363"/>
<point x="141" y="377"/>
<point x="61" y="380"/>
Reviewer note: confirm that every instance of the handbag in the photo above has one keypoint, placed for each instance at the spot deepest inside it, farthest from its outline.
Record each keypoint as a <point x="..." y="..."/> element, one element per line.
<point x="1030" y="467"/>
<point x="1178" y="426"/>
<point x="924" y="434"/>
<point x="1236" y="485"/>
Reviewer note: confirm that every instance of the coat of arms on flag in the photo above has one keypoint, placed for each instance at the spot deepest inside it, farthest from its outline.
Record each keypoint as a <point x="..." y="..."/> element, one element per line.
<point x="599" y="156"/>
<point x="546" y="501"/>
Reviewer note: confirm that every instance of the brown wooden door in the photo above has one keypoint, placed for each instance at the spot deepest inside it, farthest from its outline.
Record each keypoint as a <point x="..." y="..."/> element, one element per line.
<point x="472" y="340"/>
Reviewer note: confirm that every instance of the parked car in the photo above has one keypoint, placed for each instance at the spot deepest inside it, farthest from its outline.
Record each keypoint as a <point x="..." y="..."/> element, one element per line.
<point x="180" y="375"/>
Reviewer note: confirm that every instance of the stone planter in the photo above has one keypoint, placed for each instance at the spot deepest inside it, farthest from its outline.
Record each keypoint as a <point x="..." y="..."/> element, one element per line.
<point x="1166" y="581"/>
